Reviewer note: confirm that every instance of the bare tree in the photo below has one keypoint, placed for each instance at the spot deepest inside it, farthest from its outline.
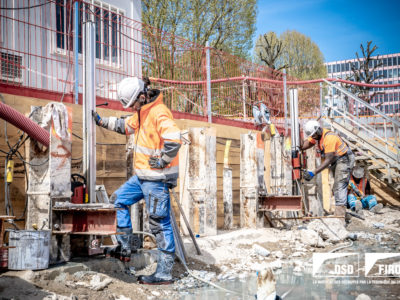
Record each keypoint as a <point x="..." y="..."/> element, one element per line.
<point x="269" y="48"/>
<point x="364" y="71"/>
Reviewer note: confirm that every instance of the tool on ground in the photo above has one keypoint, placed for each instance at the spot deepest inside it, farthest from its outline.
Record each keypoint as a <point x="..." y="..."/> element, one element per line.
<point x="186" y="222"/>
<point x="353" y="214"/>
<point x="179" y="247"/>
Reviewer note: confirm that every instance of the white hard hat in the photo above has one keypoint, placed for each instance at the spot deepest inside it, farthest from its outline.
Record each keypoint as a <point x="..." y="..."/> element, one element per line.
<point x="128" y="90"/>
<point x="358" y="172"/>
<point x="311" y="127"/>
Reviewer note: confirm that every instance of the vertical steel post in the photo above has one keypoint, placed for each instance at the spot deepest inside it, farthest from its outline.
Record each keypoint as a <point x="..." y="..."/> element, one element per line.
<point x="89" y="100"/>
<point x="320" y="99"/>
<point x="244" y="100"/>
<point x="208" y="69"/>
<point x="76" y="49"/>
<point x="285" y="101"/>
<point x="294" y="119"/>
<point x="295" y="138"/>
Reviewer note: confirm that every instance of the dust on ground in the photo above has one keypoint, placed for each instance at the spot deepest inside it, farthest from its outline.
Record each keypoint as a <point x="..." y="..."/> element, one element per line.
<point x="237" y="253"/>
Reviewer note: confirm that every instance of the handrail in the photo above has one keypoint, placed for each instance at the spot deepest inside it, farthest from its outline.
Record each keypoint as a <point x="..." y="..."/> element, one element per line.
<point x="366" y="127"/>
<point x="377" y="111"/>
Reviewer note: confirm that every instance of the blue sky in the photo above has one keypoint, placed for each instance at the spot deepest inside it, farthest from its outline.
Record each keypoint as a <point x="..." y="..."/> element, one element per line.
<point x="338" y="27"/>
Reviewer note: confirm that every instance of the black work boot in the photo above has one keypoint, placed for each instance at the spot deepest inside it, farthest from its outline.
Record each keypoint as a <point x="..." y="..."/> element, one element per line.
<point x="124" y="241"/>
<point x="163" y="275"/>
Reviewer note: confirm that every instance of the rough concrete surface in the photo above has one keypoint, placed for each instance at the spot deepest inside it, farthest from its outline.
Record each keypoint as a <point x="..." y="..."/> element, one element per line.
<point x="226" y="256"/>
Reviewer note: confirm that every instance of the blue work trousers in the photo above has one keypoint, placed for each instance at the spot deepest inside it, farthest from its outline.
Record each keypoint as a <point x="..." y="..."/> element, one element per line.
<point x="368" y="202"/>
<point x="156" y="196"/>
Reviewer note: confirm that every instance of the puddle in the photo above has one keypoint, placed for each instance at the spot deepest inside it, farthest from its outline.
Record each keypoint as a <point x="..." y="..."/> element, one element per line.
<point x="306" y="286"/>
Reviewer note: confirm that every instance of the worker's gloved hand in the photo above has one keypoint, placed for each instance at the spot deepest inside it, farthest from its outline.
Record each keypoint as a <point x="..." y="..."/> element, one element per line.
<point x="308" y="175"/>
<point x="97" y="119"/>
<point x="157" y="162"/>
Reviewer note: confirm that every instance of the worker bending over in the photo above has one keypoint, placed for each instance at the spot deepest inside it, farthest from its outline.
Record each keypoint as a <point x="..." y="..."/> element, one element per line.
<point x="157" y="142"/>
<point x="336" y="154"/>
<point x="359" y="196"/>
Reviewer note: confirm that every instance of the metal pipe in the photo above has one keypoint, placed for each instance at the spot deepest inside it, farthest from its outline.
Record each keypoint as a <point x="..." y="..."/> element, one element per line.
<point x="208" y="70"/>
<point x="89" y="97"/>
<point x="294" y="119"/>
<point x="76" y="50"/>
<point x="320" y="98"/>
<point x="285" y="101"/>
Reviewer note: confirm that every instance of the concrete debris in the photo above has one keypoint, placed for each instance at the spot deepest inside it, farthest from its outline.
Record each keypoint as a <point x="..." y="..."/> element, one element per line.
<point x="297" y="254"/>
<point x="260" y="250"/>
<point x="311" y="238"/>
<point x="121" y="297"/>
<point x="97" y="283"/>
<point x="378" y="225"/>
<point x="363" y="297"/>
<point x="59" y="297"/>
<point x="155" y="293"/>
<point x="278" y="254"/>
<point x="276" y="264"/>
<point x="331" y="230"/>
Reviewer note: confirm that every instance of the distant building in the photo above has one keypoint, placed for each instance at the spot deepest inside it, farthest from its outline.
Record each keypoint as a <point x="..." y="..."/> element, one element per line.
<point x="389" y="73"/>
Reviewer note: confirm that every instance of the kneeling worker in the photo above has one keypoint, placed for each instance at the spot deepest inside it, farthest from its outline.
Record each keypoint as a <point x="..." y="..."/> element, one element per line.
<point x="360" y="193"/>
<point x="157" y="142"/>
<point x="337" y="155"/>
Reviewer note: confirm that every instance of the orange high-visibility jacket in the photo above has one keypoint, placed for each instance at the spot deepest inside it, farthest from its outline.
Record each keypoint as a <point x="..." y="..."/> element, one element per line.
<point x="156" y="134"/>
<point x="361" y="184"/>
<point x="330" y="142"/>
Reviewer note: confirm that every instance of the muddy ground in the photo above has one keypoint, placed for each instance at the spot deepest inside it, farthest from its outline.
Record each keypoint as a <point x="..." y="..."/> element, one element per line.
<point x="226" y="256"/>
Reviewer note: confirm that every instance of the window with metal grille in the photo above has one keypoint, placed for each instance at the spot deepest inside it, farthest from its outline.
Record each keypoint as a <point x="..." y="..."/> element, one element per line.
<point x="11" y="67"/>
<point x="107" y="20"/>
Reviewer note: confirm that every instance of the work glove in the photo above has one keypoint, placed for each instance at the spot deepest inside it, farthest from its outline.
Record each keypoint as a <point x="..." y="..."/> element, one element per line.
<point x="308" y="175"/>
<point x="157" y="162"/>
<point x="97" y="118"/>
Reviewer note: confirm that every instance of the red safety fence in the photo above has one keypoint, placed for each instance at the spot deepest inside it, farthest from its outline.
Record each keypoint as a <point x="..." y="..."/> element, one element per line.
<point x="37" y="53"/>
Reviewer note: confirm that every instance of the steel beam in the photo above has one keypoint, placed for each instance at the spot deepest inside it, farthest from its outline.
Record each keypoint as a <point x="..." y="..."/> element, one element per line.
<point x="90" y="221"/>
<point x="281" y="203"/>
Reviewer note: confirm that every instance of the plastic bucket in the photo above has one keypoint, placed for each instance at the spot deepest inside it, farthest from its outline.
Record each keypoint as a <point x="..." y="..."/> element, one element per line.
<point x="32" y="249"/>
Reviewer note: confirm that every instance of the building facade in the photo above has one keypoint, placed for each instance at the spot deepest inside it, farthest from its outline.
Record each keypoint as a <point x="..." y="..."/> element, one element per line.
<point x="38" y="51"/>
<point x="386" y="99"/>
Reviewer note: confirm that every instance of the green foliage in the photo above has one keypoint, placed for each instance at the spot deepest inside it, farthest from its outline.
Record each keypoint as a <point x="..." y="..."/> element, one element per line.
<point x="302" y="55"/>
<point x="227" y="25"/>
<point x="292" y="50"/>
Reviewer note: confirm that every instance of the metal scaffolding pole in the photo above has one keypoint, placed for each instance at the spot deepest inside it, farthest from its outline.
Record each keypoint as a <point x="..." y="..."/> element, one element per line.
<point x="208" y="69"/>
<point x="89" y="100"/>
<point x="76" y="49"/>
<point x="285" y="101"/>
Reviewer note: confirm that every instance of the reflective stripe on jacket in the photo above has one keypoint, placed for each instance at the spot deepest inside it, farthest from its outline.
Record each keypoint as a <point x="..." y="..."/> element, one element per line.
<point x="360" y="185"/>
<point x="156" y="134"/>
<point x="330" y="142"/>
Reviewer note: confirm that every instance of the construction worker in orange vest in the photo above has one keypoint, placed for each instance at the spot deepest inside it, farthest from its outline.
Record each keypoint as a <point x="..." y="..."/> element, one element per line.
<point x="337" y="155"/>
<point x="359" y="196"/>
<point x="157" y="142"/>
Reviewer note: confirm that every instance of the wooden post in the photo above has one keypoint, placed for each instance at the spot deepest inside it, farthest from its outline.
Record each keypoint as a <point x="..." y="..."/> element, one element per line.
<point x="50" y="172"/>
<point x="200" y="203"/>
<point x="50" y="175"/>
<point x="312" y="189"/>
<point x="249" y="184"/>
<point x="211" y="191"/>
<point x="227" y="189"/>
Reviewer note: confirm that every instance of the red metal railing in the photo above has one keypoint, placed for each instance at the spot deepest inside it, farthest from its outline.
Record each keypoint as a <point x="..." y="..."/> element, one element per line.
<point x="37" y="54"/>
